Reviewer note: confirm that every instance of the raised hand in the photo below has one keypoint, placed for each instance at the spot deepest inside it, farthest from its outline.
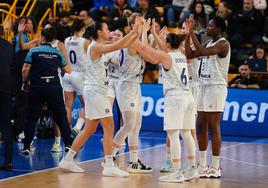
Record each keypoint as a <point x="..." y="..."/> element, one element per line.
<point x="147" y="25"/>
<point x="153" y="26"/>
<point x="21" y="26"/>
<point x="163" y="32"/>
<point x="191" y="23"/>
<point x="186" y="26"/>
<point x="137" y="28"/>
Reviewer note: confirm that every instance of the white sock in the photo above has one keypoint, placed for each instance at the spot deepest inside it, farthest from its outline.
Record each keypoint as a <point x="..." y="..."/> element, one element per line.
<point x="109" y="162"/>
<point x="215" y="162"/>
<point x="79" y="124"/>
<point x="176" y="165"/>
<point x="203" y="158"/>
<point x="115" y="151"/>
<point x="191" y="163"/>
<point x="133" y="155"/>
<point x="70" y="155"/>
<point x="168" y="153"/>
<point x="57" y="139"/>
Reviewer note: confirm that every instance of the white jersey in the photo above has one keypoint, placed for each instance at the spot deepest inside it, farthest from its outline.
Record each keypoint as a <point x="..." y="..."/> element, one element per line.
<point x="160" y="74"/>
<point x="176" y="78"/>
<point x="113" y="69"/>
<point x="193" y="70"/>
<point x="214" y="69"/>
<point x="131" y="68"/>
<point x="76" y="53"/>
<point x="97" y="70"/>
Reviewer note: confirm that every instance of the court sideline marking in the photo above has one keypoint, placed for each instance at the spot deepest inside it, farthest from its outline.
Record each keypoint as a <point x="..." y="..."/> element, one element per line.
<point x="91" y="160"/>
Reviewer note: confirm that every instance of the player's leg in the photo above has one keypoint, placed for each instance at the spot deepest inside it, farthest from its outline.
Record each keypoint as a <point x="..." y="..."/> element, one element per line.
<point x="67" y="163"/>
<point x="135" y="165"/>
<point x="69" y="101"/>
<point x="129" y="118"/>
<point x="175" y="147"/>
<point x="167" y="164"/>
<point x="191" y="171"/>
<point x="214" y="119"/>
<point x="108" y="131"/>
<point x="81" y="120"/>
<point x="202" y="136"/>
<point x="78" y="80"/>
<point x="56" y="147"/>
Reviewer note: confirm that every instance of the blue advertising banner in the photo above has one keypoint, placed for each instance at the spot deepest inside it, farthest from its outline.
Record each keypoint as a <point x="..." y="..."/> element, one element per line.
<point x="245" y="111"/>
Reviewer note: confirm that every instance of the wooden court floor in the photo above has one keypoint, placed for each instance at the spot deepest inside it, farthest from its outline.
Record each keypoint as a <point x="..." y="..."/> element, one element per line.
<point x="244" y="165"/>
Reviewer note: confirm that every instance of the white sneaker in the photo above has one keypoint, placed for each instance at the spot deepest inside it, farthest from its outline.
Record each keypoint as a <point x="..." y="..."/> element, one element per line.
<point x="167" y="166"/>
<point x="213" y="173"/>
<point x="25" y="151"/>
<point x="177" y="177"/>
<point x="70" y="166"/>
<point x="114" y="172"/>
<point x="103" y="163"/>
<point x="21" y="136"/>
<point x="138" y="167"/>
<point x="190" y="173"/>
<point x="56" y="148"/>
<point x="202" y="171"/>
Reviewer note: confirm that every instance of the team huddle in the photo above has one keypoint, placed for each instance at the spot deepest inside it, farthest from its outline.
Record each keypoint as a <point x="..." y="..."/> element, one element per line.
<point x="112" y="66"/>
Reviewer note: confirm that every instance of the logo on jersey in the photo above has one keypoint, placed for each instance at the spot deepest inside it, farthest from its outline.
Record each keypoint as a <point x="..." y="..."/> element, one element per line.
<point x="205" y="76"/>
<point x="140" y="74"/>
<point x="180" y="60"/>
<point x="107" y="111"/>
<point x="132" y="104"/>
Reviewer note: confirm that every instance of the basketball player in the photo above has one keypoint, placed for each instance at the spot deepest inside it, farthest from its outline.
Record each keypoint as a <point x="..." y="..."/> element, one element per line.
<point x="113" y="72"/>
<point x="193" y="66"/>
<point x="73" y="84"/>
<point x="129" y="100"/>
<point x="97" y="104"/>
<point x="113" y="66"/>
<point x="214" y="64"/>
<point x="179" y="115"/>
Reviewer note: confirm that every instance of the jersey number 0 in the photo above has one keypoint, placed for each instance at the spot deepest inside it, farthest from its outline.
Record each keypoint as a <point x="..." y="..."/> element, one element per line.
<point x="72" y="56"/>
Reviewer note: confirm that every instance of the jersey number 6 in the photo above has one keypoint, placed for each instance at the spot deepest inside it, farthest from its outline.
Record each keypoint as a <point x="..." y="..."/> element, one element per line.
<point x="183" y="77"/>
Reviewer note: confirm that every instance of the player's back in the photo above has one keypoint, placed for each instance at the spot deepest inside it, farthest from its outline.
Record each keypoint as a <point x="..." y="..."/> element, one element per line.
<point x="131" y="67"/>
<point x="76" y="53"/>
<point x="176" y="78"/>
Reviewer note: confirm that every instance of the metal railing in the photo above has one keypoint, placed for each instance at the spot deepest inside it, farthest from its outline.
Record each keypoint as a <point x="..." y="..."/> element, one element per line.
<point x="12" y="11"/>
<point x="2" y="6"/>
<point x="55" y="2"/>
<point x="5" y="5"/>
<point x="31" y="8"/>
<point x="48" y="13"/>
<point x="10" y="14"/>
<point x="8" y="32"/>
<point x="26" y="6"/>
<point x="66" y="5"/>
